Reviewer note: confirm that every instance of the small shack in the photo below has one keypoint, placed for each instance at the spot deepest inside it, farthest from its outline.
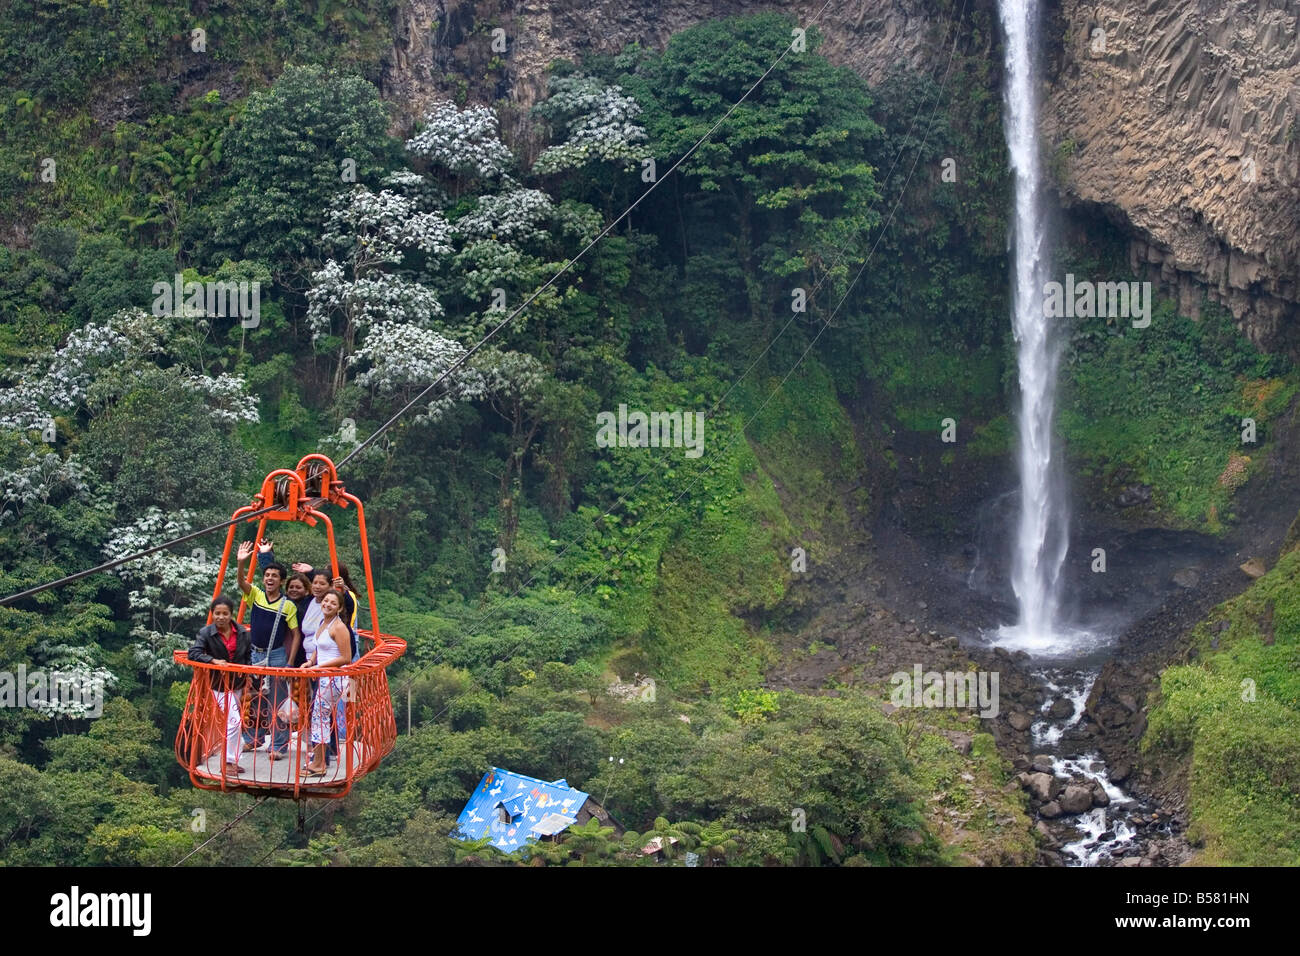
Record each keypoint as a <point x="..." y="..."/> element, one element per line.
<point x="514" y="809"/>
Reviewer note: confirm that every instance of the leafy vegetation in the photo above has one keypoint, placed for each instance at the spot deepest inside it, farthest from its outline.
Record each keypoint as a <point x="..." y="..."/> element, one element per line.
<point x="809" y="257"/>
<point x="1231" y="721"/>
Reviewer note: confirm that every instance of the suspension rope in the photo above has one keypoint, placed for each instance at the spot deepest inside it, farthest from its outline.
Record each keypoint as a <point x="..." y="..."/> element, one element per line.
<point x="117" y="562"/>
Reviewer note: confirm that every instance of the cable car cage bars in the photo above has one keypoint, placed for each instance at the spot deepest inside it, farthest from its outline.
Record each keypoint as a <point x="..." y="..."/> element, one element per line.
<point x="368" y="729"/>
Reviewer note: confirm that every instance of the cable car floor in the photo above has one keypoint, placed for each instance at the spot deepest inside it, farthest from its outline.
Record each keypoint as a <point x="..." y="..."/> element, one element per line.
<point x="256" y="766"/>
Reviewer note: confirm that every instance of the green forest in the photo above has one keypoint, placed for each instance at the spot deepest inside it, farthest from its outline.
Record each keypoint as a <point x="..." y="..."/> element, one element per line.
<point x="797" y="269"/>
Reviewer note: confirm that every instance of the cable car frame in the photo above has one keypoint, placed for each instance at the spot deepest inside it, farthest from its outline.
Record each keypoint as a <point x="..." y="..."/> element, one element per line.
<point x="371" y="728"/>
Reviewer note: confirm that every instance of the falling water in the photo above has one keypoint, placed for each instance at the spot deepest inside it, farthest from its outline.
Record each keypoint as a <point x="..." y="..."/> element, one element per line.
<point x="1042" y="537"/>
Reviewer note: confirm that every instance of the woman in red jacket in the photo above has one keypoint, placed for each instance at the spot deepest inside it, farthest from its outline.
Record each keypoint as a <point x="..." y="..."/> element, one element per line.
<point x="225" y="640"/>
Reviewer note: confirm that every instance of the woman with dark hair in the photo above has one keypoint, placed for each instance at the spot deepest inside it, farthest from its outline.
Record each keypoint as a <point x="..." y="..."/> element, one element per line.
<point x="225" y="640"/>
<point x="333" y="648"/>
<point x="342" y="585"/>
<point x="342" y="582"/>
<point x="298" y="589"/>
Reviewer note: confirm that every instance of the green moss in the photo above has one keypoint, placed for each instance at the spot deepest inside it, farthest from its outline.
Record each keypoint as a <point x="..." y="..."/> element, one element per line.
<point x="928" y="376"/>
<point x="994" y="439"/>
<point x="804" y="441"/>
<point x="1163" y="406"/>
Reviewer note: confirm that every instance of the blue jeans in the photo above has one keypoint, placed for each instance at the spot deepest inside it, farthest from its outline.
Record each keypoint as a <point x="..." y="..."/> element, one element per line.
<point x="278" y="657"/>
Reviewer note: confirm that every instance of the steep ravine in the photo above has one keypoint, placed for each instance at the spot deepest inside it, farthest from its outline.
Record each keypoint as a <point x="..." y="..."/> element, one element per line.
<point x="914" y="590"/>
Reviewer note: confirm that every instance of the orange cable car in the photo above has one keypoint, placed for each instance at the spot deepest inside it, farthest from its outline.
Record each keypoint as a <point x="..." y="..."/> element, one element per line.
<point x="368" y="730"/>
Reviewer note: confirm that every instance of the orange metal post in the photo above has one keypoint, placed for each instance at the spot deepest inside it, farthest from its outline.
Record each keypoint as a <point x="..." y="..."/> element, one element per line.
<point x="365" y="560"/>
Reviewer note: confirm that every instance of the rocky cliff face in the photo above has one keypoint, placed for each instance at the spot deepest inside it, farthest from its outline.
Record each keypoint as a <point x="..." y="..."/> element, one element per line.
<point x="445" y="43"/>
<point x="1179" y="119"/>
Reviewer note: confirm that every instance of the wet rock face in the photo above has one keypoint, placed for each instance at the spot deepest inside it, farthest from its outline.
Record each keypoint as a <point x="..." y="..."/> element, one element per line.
<point x="1180" y="119"/>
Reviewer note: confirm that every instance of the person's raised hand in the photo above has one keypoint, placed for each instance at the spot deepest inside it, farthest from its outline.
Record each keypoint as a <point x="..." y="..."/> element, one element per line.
<point x="301" y="567"/>
<point x="338" y="583"/>
<point x="265" y="545"/>
<point x="245" y="550"/>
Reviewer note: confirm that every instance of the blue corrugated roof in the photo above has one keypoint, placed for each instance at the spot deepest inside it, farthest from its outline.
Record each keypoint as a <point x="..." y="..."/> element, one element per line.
<point x="524" y="802"/>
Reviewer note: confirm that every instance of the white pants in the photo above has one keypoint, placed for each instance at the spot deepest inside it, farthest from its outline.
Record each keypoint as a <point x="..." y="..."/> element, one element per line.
<point x="228" y="702"/>
<point x="328" y="692"/>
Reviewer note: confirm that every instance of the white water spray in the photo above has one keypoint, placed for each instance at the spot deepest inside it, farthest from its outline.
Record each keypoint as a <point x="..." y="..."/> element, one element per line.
<point x="1042" y="537"/>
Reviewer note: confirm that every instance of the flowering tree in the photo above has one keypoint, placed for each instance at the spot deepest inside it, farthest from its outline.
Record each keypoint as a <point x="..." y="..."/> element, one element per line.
<point x="599" y="122"/>
<point x="514" y="384"/>
<point x="75" y="664"/>
<point x="168" y="596"/>
<point x="93" y="367"/>
<point x="515" y="216"/>
<point x="57" y="382"/>
<point x="401" y="359"/>
<point x="373" y="232"/>
<point x="466" y="143"/>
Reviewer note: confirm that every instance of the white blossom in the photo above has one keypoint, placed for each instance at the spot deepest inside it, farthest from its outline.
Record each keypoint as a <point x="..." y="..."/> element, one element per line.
<point x="599" y="122"/>
<point x="169" y="597"/>
<point x="401" y="356"/>
<point x="75" y="665"/>
<point x="367" y="301"/>
<point x="486" y="264"/>
<point x="506" y="373"/>
<point x="227" y="397"/>
<point x="424" y="194"/>
<point x="465" y="142"/>
<point x="40" y="478"/>
<point x="514" y="216"/>
<point x="180" y="572"/>
<point x="60" y="381"/>
<point x="379" y="227"/>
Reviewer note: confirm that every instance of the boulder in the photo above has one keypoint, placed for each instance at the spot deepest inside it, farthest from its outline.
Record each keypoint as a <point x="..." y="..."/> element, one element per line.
<point x="1050" y="810"/>
<point x="1045" y="832"/>
<point x="962" y="742"/>
<point x="1042" y="763"/>
<point x="1099" y="796"/>
<point x="1254" y="568"/>
<point x="1120" y="773"/>
<point x="1076" y="798"/>
<point x="1134" y="495"/>
<point x="1043" y="786"/>
<point x="1061" y="709"/>
<point x="1018" y="720"/>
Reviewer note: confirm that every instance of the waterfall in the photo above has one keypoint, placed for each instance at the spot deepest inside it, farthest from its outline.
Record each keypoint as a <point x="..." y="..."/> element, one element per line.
<point x="1043" y="535"/>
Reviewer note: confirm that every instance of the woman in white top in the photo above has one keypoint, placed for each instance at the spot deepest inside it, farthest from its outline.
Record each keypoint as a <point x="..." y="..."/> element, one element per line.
<point x="333" y="649"/>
